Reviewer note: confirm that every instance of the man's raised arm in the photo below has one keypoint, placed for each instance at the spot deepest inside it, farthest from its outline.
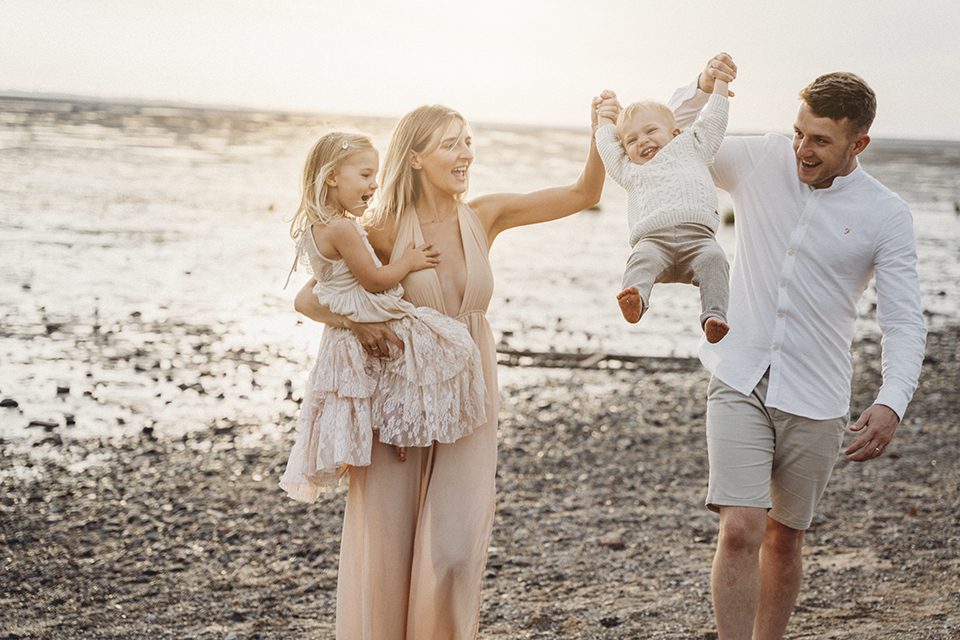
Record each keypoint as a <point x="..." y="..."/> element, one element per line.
<point x="689" y="100"/>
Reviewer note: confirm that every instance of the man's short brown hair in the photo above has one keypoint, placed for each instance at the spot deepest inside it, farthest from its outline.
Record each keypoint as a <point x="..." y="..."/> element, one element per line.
<point x="842" y="95"/>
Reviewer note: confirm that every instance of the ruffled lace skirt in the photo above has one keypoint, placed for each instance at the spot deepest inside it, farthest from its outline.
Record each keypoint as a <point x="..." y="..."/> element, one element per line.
<point x="433" y="391"/>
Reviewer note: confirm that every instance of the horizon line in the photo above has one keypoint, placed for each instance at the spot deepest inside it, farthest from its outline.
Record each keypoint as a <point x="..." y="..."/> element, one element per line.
<point x="51" y="96"/>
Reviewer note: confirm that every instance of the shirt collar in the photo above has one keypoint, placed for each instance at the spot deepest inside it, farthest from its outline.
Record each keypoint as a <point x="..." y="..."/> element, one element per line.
<point x="842" y="182"/>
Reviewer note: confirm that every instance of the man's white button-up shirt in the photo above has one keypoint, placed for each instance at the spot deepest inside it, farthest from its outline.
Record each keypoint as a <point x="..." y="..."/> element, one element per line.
<point x="803" y="258"/>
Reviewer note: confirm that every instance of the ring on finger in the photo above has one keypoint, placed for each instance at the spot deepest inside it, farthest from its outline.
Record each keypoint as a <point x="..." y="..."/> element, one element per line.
<point x="877" y="451"/>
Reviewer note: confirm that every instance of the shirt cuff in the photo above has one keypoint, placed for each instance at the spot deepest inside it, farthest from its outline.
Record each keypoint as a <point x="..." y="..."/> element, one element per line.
<point x="895" y="399"/>
<point x="690" y="92"/>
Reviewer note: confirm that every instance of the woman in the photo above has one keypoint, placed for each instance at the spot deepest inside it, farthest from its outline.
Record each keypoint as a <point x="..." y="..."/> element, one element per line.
<point x="418" y="521"/>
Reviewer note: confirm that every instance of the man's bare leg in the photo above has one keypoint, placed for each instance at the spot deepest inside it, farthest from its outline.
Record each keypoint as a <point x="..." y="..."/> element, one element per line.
<point x="781" y="570"/>
<point x="715" y="328"/>
<point x="735" y="580"/>
<point x="631" y="305"/>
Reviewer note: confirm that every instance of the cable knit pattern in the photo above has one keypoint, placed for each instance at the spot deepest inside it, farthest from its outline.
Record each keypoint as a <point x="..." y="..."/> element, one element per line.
<point x="432" y="391"/>
<point x="675" y="186"/>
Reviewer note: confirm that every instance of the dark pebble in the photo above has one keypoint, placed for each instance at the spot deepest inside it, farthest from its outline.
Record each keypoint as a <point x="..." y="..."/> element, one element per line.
<point x="44" y="424"/>
<point x="610" y="622"/>
<point x="9" y="403"/>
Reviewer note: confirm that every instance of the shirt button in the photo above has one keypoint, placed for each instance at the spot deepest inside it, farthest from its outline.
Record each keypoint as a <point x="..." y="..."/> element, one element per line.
<point x="780" y="314"/>
<point x="791" y="251"/>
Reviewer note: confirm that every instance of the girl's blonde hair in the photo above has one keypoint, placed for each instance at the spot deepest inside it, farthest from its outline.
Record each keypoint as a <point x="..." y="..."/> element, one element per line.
<point x="326" y="155"/>
<point x="401" y="183"/>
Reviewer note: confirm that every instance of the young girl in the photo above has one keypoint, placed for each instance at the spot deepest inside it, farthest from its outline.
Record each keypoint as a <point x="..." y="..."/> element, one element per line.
<point x="431" y="391"/>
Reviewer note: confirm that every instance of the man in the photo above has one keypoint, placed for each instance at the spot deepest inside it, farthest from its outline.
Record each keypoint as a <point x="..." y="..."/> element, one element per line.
<point x="812" y="229"/>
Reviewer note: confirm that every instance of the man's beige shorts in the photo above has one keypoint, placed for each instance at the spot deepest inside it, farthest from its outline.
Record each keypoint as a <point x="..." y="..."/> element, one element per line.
<point x="766" y="458"/>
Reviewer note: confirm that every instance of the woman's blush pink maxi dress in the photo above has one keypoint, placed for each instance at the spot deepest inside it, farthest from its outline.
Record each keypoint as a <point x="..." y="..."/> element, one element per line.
<point x="415" y="533"/>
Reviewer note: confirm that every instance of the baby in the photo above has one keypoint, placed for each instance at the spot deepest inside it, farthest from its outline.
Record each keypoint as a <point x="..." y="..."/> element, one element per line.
<point x="671" y="202"/>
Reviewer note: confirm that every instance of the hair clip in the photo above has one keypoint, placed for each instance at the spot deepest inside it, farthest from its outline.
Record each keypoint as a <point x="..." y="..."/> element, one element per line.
<point x="344" y="145"/>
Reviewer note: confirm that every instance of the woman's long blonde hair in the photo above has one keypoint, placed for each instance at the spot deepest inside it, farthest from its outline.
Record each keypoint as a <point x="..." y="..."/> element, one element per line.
<point x="401" y="183"/>
<point x="326" y="155"/>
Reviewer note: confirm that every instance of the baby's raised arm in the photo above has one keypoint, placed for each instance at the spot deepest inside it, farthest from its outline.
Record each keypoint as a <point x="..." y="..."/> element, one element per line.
<point x="342" y="236"/>
<point x="612" y="153"/>
<point x="711" y="125"/>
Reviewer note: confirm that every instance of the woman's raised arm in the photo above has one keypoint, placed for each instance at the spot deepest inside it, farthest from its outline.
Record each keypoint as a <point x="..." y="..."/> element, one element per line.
<point x="501" y="211"/>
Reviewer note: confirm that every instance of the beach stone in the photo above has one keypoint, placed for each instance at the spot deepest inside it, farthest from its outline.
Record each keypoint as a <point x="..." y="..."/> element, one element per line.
<point x="613" y="540"/>
<point x="9" y="403"/>
<point x="609" y="622"/>
<point x="43" y="424"/>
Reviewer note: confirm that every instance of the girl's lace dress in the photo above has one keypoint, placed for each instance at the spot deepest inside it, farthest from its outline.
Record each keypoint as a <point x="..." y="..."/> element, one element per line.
<point x="432" y="391"/>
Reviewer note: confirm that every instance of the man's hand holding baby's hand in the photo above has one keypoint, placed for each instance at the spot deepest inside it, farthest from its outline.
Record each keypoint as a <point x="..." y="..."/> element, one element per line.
<point x="719" y="67"/>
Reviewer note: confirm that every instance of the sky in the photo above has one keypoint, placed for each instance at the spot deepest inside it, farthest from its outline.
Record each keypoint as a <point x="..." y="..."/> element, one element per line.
<point x="497" y="61"/>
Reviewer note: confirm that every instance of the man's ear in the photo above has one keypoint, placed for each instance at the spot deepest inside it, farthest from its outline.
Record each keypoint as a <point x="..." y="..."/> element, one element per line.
<point x="860" y="144"/>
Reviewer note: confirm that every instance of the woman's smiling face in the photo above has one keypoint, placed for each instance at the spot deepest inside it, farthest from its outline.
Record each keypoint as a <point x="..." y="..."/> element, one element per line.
<point x="446" y="167"/>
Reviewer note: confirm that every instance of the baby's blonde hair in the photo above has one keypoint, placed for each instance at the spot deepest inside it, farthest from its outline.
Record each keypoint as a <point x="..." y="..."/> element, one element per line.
<point x="326" y="155"/>
<point x="644" y="105"/>
<point x="414" y="133"/>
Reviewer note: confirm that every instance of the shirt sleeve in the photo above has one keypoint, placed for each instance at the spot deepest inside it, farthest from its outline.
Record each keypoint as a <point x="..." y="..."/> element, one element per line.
<point x="735" y="157"/>
<point x="738" y="156"/>
<point x="899" y="312"/>
<point x="687" y="102"/>
<point x="611" y="153"/>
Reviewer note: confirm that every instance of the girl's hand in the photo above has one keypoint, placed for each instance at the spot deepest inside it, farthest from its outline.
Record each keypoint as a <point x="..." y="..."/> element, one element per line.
<point x="422" y="257"/>
<point x="376" y="338"/>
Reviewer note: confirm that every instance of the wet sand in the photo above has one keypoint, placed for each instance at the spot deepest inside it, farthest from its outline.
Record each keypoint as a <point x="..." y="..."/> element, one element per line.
<point x="600" y="530"/>
<point x="151" y="368"/>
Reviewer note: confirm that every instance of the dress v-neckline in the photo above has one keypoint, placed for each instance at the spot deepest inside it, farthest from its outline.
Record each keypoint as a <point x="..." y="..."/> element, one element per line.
<point x="418" y="232"/>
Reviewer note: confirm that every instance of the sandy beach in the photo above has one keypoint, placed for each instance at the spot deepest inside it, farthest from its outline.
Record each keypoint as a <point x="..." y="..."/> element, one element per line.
<point x="152" y="367"/>
<point x="600" y="530"/>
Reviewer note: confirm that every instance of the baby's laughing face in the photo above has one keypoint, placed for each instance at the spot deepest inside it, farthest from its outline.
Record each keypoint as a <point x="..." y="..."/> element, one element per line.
<point x="645" y="133"/>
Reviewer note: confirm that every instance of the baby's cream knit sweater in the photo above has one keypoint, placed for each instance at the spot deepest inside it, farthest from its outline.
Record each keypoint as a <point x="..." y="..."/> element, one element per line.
<point x="674" y="187"/>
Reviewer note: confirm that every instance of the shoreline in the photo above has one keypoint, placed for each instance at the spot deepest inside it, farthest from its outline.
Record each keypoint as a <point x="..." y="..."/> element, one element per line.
<point x="600" y="530"/>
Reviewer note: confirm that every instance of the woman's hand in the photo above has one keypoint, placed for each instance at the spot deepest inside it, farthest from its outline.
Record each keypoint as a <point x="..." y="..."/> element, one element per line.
<point x="606" y="108"/>
<point x="375" y="338"/>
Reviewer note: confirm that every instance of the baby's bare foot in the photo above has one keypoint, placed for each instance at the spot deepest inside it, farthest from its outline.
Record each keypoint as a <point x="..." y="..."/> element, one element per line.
<point x="715" y="329"/>
<point x="630" y="304"/>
